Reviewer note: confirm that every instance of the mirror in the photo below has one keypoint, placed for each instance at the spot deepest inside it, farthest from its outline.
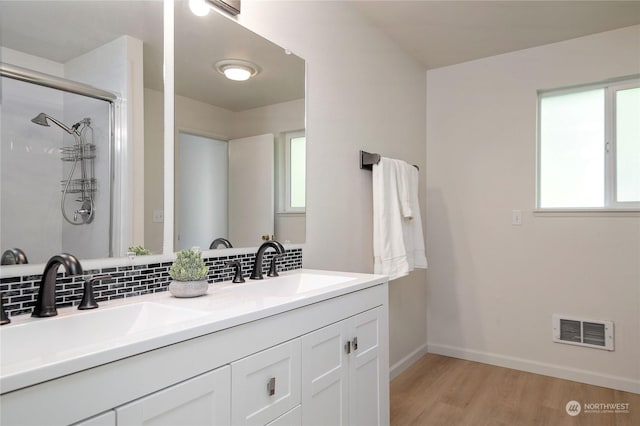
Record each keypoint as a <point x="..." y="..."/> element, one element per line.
<point x="238" y="175"/>
<point x="115" y="46"/>
<point x="43" y="36"/>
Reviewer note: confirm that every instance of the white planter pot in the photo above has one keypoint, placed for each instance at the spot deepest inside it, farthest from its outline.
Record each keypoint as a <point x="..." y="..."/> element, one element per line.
<point x="188" y="288"/>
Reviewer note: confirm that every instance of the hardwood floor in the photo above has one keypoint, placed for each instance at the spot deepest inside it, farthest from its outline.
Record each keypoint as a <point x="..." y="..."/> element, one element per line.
<point x="439" y="390"/>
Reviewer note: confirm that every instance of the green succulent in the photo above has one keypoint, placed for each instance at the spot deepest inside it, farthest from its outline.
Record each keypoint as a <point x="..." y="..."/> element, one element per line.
<point x="139" y="250"/>
<point x="189" y="266"/>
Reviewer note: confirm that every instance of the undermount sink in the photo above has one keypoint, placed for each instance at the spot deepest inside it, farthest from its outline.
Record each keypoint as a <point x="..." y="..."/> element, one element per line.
<point x="305" y="282"/>
<point x="51" y="338"/>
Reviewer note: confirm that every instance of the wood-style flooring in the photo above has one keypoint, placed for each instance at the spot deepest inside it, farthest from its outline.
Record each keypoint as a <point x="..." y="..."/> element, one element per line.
<point x="439" y="390"/>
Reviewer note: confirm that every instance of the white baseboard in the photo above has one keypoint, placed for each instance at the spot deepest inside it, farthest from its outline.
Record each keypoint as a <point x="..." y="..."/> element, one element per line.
<point x="568" y="373"/>
<point x="407" y="361"/>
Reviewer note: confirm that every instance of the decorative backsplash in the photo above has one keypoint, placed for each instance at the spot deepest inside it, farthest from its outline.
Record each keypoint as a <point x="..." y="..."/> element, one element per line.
<point x="20" y="292"/>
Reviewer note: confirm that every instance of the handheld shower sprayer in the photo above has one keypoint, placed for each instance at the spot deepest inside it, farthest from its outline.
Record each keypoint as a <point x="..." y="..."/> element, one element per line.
<point x="42" y="118"/>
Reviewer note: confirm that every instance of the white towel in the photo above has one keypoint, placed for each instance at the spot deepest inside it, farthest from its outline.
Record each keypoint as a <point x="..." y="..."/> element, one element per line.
<point x="398" y="243"/>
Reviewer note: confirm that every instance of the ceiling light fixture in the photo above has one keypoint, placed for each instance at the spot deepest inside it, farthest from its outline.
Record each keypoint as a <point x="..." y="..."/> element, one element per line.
<point x="236" y="69"/>
<point x="199" y="7"/>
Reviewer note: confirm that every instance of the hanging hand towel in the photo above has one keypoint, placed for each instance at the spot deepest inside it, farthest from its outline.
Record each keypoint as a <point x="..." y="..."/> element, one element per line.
<point x="412" y="226"/>
<point x="398" y="244"/>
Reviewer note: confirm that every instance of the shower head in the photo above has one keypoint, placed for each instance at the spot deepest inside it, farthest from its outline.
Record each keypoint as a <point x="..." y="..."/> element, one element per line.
<point x="42" y="118"/>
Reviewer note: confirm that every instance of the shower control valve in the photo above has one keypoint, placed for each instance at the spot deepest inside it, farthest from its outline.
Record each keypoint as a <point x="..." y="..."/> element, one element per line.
<point x="85" y="212"/>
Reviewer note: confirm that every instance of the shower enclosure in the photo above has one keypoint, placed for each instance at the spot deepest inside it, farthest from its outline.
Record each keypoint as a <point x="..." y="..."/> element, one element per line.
<point x="56" y="178"/>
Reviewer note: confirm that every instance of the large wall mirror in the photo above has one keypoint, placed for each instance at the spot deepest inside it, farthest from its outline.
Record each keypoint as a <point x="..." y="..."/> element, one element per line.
<point x="117" y="47"/>
<point x="239" y="145"/>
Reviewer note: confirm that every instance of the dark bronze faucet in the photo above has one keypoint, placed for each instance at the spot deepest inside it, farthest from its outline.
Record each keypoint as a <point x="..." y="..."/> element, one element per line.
<point x="14" y="256"/>
<point x="46" y="301"/>
<point x="220" y="241"/>
<point x="256" y="273"/>
<point x="237" y="267"/>
<point x="4" y="318"/>
<point x="88" y="299"/>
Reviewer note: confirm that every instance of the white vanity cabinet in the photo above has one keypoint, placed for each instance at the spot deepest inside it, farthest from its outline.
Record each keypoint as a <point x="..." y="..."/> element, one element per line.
<point x="341" y="373"/>
<point x="203" y="400"/>
<point x="322" y="361"/>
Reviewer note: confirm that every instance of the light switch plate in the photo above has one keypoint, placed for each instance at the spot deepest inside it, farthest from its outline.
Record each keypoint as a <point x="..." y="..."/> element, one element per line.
<point x="516" y="217"/>
<point x="158" y="216"/>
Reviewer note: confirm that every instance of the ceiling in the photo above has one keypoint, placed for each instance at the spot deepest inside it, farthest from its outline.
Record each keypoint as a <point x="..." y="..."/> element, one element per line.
<point x="436" y="33"/>
<point x="441" y="33"/>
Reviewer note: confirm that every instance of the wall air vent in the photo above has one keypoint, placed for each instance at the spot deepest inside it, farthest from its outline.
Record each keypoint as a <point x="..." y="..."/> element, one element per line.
<point x="590" y="333"/>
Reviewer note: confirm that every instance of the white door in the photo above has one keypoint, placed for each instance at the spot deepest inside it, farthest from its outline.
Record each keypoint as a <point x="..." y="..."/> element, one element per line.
<point x="203" y="400"/>
<point x="364" y="369"/>
<point x="325" y="374"/>
<point x="201" y="191"/>
<point x="251" y="190"/>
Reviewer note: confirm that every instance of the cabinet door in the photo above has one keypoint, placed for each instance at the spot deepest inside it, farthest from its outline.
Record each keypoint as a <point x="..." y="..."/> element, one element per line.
<point x="265" y="385"/>
<point x="364" y="369"/>
<point x="203" y="400"/>
<point x="324" y="376"/>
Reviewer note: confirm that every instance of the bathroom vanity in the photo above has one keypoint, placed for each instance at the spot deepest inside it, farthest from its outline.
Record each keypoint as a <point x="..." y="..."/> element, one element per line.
<point x="308" y="347"/>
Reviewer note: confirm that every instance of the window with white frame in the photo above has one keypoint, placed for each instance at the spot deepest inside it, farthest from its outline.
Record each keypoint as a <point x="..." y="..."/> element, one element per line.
<point x="295" y="172"/>
<point x="589" y="147"/>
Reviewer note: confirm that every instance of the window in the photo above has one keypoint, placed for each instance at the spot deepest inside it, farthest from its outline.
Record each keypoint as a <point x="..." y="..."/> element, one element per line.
<point x="589" y="147"/>
<point x="295" y="172"/>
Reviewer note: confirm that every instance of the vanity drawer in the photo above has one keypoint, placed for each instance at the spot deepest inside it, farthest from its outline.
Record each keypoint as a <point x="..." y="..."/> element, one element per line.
<point x="290" y="418"/>
<point x="266" y="385"/>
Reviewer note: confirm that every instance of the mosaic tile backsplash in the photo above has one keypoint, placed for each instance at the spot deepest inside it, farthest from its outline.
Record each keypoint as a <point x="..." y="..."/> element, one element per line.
<point x="19" y="293"/>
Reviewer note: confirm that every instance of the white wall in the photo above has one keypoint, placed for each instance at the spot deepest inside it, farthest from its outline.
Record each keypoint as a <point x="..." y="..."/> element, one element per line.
<point x="363" y="92"/>
<point x="492" y="287"/>
<point x="274" y="119"/>
<point x="153" y="167"/>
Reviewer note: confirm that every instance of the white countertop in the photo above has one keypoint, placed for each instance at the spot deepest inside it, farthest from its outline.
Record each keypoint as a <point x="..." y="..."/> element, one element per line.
<point x="28" y="362"/>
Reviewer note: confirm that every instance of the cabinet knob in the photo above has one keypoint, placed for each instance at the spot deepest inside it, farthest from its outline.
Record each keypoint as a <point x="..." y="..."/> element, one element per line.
<point x="271" y="386"/>
<point x="347" y="347"/>
<point x="355" y="343"/>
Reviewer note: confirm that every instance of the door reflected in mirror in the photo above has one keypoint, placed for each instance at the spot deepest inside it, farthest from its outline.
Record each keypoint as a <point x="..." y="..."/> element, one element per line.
<point x="257" y="190"/>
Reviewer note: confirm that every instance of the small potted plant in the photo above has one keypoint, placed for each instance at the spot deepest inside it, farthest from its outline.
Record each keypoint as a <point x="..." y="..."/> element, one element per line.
<point x="189" y="274"/>
<point x="139" y="251"/>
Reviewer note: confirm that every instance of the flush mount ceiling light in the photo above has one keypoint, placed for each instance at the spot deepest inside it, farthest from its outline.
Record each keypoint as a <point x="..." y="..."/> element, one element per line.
<point x="236" y="69"/>
<point x="199" y="7"/>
